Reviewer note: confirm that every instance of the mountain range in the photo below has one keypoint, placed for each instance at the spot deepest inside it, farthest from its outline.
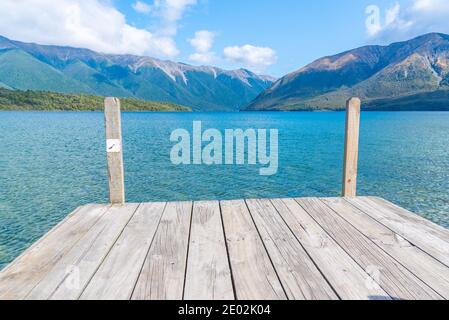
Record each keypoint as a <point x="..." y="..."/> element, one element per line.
<point x="28" y="66"/>
<point x="409" y="75"/>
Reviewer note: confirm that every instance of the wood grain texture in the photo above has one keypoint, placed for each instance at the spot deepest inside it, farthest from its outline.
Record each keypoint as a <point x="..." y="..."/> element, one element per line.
<point x="253" y="273"/>
<point x="21" y="277"/>
<point x="423" y="235"/>
<point x="70" y="275"/>
<point x="300" y="277"/>
<point x="347" y="248"/>
<point x="162" y="276"/>
<point x="208" y="275"/>
<point x="394" y="278"/>
<point x="426" y="225"/>
<point x="113" y="126"/>
<point x="351" y="154"/>
<point x="117" y="275"/>
<point x="411" y="257"/>
<point x="346" y="277"/>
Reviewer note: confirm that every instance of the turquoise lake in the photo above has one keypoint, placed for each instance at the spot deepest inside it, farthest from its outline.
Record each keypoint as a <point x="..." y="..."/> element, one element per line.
<point x="52" y="162"/>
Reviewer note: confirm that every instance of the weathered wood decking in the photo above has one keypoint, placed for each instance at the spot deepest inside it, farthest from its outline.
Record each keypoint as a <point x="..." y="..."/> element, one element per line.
<point x="336" y="248"/>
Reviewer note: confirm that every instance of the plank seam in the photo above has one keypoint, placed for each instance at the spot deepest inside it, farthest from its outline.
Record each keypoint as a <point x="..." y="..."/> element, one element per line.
<point x="268" y="254"/>
<point x="234" y="290"/>
<point x="148" y="251"/>
<point x="310" y="257"/>
<point x="69" y="249"/>
<point x="370" y="240"/>
<point x="361" y="267"/>
<point x="284" y="260"/>
<point x="188" y="249"/>
<point x="416" y="246"/>
<point x="409" y="214"/>
<point x="107" y="254"/>
<point x="404" y="236"/>
<point x="80" y="259"/>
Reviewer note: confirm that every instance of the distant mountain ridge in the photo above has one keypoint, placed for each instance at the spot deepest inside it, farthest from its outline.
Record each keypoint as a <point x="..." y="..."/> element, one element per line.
<point x="400" y="76"/>
<point x="28" y="66"/>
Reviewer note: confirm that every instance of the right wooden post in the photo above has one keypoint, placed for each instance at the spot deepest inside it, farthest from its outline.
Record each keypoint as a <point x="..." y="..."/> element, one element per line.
<point x="351" y="147"/>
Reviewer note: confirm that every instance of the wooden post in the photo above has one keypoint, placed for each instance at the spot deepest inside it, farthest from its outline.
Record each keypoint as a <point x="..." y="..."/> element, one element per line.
<point x="351" y="147"/>
<point x="114" y="150"/>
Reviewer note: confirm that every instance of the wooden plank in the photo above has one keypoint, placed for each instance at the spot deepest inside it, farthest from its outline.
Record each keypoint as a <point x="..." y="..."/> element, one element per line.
<point x="351" y="147"/>
<point x="163" y="273"/>
<point x="114" y="150"/>
<point x="299" y="276"/>
<point x="21" y="277"/>
<point x="429" y="270"/>
<point x="424" y="224"/>
<point x="347" y="278"/>
<point x="208" y="275"/>
<point x="396" y="280"/>
<point x="419" y="234"/>
<point x="253" y="273"/>
<point x="70" y="275"/>
<point x="117" y="275"/>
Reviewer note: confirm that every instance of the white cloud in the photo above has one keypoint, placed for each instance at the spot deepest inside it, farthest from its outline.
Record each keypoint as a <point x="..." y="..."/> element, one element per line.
<point x="93" y="24"/>
<point x="408" y="19"/>
<point x="392" y="14"/>
<point x="203" y="58"/>
<point x="257" y="58"/>
<point x="170" y="12"/>
<point x="142" y="7"/>
<point x="433" y="6"/>
<point x="202" y="43"/>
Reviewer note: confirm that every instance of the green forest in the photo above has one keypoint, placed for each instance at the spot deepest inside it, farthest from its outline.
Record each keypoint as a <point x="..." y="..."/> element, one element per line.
<point x="43" y="100"/>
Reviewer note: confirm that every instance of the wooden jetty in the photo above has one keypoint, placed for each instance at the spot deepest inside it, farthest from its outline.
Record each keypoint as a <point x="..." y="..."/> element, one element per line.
<point x="362" y="248"/>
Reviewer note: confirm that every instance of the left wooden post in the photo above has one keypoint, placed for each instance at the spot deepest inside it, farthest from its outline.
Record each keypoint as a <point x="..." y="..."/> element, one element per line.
<point x="114" y="150"/>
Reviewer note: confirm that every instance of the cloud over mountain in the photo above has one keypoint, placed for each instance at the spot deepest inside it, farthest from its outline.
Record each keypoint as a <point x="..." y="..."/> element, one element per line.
<point x="93" y="24"/>
<point x="202" y="43"/>
<point x="407" y="19"/>
<point x="257" y="58"/>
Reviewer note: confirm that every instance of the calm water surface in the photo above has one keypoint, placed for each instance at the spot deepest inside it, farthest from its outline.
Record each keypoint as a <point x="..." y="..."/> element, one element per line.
<point x="52" y="162"/>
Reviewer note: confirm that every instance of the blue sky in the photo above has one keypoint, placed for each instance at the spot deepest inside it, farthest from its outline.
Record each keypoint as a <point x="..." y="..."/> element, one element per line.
<point x="298" y="30"/>
<point x="267" y="36"/>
